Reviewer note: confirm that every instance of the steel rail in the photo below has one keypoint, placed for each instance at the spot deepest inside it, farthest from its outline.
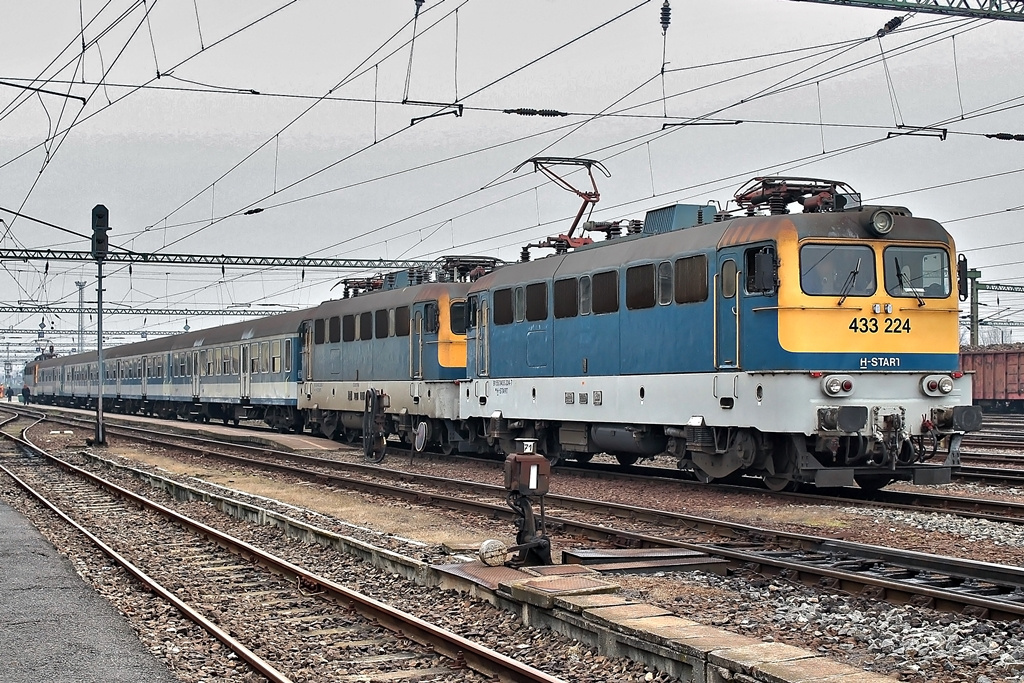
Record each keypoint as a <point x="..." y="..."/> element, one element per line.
<point x="444" y="642"/>
<point x="872" y="585"/>
<point x="244" y="653"/>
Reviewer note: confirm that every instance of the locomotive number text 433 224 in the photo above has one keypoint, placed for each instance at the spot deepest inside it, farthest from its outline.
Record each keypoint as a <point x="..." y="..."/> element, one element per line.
<point x="885" y="325"/>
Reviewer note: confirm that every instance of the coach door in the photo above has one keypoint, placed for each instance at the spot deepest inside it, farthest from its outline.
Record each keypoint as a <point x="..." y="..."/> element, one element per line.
<point x="144" y="375"/>
<point x="195" y="374"/>
<point x="244" y="377"/>
<point x="117" y="379"/>
<point x="727" y="342"/>
<point x="416" y="346"/>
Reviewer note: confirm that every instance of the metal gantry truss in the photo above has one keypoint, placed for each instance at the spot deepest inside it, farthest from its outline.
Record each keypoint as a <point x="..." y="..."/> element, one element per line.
<point x="69" y="310"/>
<point x="212" y="260"/>
<point x="1008" y="10"/>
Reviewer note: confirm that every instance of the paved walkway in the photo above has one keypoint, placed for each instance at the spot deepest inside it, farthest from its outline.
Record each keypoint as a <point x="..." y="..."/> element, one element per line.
<point x="53" y="626"/>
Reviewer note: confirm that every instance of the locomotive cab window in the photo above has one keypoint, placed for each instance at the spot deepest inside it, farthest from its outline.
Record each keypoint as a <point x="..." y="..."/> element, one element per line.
<point x="472" y="305"/>
<point x="759" y="264"/>
<point x="431" y="322"/>
<point x="457" y="316"/>
<point x="917" y="272"/>
<point x="837" y="270"/>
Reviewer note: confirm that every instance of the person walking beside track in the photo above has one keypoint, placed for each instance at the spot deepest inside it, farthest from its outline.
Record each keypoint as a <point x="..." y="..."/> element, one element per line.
<point x="25" y="392"/>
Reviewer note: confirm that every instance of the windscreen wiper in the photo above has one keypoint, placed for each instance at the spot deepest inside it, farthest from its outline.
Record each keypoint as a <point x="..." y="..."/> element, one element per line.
<point x="904" y="282"/>
<point x="848" y="285"/>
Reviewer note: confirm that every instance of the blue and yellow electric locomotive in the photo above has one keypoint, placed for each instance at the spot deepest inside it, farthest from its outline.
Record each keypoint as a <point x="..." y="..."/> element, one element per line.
<point x="818" y="347"/>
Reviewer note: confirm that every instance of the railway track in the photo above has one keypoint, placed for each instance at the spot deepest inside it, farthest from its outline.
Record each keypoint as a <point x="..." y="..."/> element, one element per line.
<point x="248" y="599"/>
<point x="981" y="589"/>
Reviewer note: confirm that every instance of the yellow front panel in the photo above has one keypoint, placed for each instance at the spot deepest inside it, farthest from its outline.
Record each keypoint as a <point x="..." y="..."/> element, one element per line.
<point x="817" y="324"/>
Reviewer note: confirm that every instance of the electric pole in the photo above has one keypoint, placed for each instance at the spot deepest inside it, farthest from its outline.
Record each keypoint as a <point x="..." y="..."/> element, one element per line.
<point x="81" y="315"/>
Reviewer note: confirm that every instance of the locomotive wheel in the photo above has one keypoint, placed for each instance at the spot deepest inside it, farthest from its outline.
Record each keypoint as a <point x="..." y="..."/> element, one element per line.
<point x="349" y="435"/>
<point x="872" y="482"/>
<point x="329" y="425"/>
<point x="784" y="465"/>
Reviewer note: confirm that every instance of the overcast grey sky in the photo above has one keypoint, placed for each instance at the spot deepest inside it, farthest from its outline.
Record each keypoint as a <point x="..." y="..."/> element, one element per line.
<point x="295" y="108"/>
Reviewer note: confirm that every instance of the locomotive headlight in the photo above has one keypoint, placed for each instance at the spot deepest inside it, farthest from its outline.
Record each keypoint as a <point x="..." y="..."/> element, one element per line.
<point x="946" y="385"/>
<point x="833" y="386"/>
<point x="881" y="222"/>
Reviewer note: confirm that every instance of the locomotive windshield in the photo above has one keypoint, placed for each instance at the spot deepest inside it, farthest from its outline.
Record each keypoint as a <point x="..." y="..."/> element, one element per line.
<point x="837" y="270"/>
<point x="917" y="272"/>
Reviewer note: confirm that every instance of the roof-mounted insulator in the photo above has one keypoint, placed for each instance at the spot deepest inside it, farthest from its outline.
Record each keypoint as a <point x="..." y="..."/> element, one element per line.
<point x="1005" y="136"/>
<point x="890" y="26"/>
<point x="419" y="3"/>
<point x="666" y="17"/>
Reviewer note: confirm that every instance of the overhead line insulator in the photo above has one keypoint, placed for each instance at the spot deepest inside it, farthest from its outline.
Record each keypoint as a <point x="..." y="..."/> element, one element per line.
<point x="666" y="17"/>
<point x="1006" y="136"/>
<point x="889" y="27"/>
<point x="535" y="112"/>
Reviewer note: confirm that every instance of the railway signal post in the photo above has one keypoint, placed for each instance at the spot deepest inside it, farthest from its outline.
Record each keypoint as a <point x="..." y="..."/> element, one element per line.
<point x="100" y="243"/>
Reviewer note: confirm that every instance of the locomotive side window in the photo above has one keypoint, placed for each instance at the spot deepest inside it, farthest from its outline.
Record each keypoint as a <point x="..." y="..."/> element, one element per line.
<point x="430" y="318"/>
<point x="759" y="269"/>
<point x="664" y="283"/>
<point x="471" y="308"/>
<point x="520" y="304"/>
<point x="606" y="291"/>
<point x="348" y="328"/>
<point x="837" y="269"/>
<point x="586" y="295"/>
<point x="537" y="301"/>
<point x="917" y="272"/>
<point x="640" y="287"/>
<point x="318" y="331"/>
<point x="402" y="321"/>
<point x="365" y="326"/>
<point x="566" y="298"/>
<point x="691" y="279"/>
<point x="457" y="316"/>
<point x="729" y="279"/>
<point x="502" y="306"/>
<point x="334" y="330"/>
<point x="380" y="324"/>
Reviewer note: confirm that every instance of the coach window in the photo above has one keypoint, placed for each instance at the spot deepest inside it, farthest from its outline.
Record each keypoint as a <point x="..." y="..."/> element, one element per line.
<point x="188" y="364"/>
<point x="287" y="355"/>
<point x="402" y="321"/>
<point x="503" y="306"/>
<point x="586" y="295"/>
<point x="537" y="301"/>
<point x="606" y="292"/>
<point x="431" y="322"/>
<point x="236" y="366"/>
<point x="520" y="304"/>
<point x="640" y="287"/>
<point x="729" y="279"/>
<point x="365" y="326"/>
<point x="348" y="328"/>
<point x="457" y="317"/>
<point x="254" y="358"/>
<point x="664" y="283"/>
<point x="265" y="357"/>
<point x="334" y="330"/>
<point x="691" y="279"/>
<point x="226" y="361"/>
<point x="319" y="330"/>
<point x="275" y="356"/>
<point x="380" y="324"/>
